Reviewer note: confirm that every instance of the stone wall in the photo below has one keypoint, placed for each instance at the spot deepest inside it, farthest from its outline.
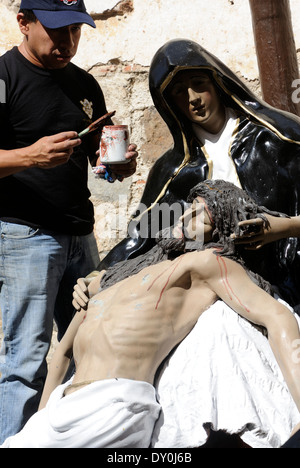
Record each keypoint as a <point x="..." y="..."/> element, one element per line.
<point x="119" y="52"/>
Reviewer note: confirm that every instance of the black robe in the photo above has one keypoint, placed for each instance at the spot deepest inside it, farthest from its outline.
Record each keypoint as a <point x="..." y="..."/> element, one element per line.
<point x="265" y="151"/>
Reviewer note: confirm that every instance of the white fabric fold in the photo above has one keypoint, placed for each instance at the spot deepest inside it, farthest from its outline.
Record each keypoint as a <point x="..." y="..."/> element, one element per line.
<point x="223" y="374"/>
<point x="116" y="413"/>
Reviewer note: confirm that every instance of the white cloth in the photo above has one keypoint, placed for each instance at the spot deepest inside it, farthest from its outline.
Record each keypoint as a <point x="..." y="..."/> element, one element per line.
<point x="223" y="374"/>
<point x="217" y="147"/>
<point x="106" y="414"/>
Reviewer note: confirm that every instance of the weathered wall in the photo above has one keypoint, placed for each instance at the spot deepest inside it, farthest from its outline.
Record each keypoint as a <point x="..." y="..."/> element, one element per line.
<point x="118" y="53"/>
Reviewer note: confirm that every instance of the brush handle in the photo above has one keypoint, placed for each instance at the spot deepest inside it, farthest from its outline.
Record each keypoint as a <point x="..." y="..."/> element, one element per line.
<point x="95" y="125"/>
<point x="84" y="132"/>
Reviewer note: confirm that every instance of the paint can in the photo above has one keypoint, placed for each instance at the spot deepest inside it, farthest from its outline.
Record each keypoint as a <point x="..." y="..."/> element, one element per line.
<point x="114" y="144"/>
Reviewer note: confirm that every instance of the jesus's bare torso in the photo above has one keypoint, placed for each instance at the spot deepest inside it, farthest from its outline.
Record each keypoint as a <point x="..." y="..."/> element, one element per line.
<point x="132" y="326"/>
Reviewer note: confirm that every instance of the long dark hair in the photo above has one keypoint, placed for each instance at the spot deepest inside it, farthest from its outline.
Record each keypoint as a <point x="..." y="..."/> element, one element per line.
<point x="228" y="205"/>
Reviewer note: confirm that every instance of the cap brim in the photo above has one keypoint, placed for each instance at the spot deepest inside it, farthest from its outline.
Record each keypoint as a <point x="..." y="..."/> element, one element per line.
<point x="60" y="19"/>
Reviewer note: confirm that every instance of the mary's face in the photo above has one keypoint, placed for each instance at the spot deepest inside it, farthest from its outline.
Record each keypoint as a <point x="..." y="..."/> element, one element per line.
<point x="194" y="94"/>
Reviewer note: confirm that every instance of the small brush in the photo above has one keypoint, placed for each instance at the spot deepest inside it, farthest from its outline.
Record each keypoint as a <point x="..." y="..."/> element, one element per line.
<point x="97" y="124"/>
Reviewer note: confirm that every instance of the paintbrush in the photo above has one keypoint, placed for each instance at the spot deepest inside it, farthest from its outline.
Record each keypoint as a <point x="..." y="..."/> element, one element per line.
<point x="97" y="124"/>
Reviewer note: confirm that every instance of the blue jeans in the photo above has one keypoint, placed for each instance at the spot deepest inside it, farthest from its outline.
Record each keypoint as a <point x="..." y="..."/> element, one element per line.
<point x="38" y="270"/>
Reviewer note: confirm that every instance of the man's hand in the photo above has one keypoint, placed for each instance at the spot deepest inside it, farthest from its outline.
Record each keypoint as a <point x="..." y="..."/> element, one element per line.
<point x="52" y="151"/>
<point x="128" y="169"/>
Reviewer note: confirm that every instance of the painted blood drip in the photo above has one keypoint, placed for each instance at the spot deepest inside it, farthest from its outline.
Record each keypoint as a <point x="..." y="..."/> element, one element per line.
<point x="225" y="281"/>
<point x="166" y="284"/>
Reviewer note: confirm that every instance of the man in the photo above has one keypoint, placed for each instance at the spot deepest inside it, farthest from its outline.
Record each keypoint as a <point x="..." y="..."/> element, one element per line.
<point x="46" y="217"/>
<point x="132" y="323"/>
<point x="221" y="130"/>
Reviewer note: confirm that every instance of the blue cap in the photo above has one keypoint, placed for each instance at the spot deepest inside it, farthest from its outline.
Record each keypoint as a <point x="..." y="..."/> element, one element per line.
<point x="54" y="14"/>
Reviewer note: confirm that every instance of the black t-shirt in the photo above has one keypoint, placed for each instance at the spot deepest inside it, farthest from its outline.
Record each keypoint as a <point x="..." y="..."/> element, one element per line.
<point x="40" y="103"/>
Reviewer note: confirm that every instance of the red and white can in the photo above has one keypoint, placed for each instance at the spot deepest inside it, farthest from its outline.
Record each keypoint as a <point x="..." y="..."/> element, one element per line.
<point x="114" y="144"/>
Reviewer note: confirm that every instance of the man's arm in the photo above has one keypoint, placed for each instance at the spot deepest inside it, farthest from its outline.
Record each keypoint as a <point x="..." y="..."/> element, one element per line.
<point x="61" y="359"/>
<point x="46" y="153"/>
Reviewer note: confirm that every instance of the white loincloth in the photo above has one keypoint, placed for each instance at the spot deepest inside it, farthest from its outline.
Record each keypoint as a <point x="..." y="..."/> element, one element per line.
<point x="106" y="414"/>
<point x="223" y="374"/>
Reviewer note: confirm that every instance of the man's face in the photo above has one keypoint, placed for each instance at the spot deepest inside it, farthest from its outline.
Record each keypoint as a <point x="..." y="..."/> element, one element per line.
<point x="195" y="224"/>
<point x="195" y="96"/>
<point x="52" y="49"/>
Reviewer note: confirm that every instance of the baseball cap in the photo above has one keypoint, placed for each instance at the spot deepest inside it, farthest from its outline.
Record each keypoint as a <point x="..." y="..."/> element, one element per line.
<point x="54" y="14"/>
